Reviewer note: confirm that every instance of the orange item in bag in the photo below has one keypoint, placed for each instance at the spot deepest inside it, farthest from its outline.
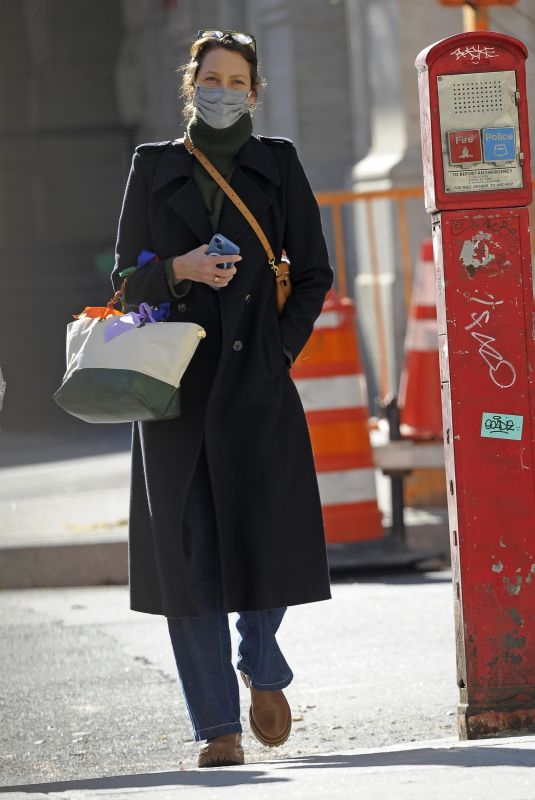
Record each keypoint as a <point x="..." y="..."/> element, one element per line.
<point x="98" y="312"/>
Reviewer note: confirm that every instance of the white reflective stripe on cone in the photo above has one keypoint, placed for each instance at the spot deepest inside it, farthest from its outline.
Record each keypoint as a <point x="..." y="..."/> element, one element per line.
<point x="328" y="319"/>
<point x="339" y="391"/>
<point x="422" y="336"/>
<point x="423" y="289"/>
<point x="347" y="486"/>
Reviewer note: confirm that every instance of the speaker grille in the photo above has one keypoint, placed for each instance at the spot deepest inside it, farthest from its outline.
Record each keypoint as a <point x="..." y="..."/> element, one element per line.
<point x="480" y="96"/>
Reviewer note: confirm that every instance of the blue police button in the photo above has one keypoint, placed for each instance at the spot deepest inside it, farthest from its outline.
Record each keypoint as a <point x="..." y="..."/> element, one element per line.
<point x="499" y="144"/>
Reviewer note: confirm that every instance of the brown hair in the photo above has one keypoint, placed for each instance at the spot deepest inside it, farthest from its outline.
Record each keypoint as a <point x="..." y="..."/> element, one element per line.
<point x="199" y="48"/>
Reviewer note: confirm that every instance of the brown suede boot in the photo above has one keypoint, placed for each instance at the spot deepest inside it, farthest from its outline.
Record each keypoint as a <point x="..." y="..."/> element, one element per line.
<point x="223" y="751"/>
<point x="269" y="715"/>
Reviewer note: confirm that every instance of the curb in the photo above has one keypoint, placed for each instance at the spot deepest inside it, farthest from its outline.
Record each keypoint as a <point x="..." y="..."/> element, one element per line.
<point x="64" y="564"/>
<point x="103" y="560"/>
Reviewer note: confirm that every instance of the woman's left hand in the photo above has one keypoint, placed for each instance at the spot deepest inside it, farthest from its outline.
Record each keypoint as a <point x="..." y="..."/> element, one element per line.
<point x="197" y="265"/>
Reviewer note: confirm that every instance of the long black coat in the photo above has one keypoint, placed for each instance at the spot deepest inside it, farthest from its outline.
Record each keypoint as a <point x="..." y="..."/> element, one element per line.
<point x="237" y="393"/>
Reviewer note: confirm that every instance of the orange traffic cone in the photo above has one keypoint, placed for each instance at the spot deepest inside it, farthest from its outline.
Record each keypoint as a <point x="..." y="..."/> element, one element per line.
<point x="419" y="390"/>
<point x="332" y="387"/>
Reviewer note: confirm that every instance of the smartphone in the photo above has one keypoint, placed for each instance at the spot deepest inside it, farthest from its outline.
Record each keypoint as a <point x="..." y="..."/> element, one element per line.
<point x="220" y="245"/>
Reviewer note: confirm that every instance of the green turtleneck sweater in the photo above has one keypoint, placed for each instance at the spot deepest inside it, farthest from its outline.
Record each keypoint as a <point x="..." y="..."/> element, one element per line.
<point x="220" y="146"/>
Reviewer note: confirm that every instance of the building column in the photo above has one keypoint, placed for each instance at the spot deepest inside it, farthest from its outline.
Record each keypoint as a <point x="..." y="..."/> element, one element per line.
<point x="391" y="34"/>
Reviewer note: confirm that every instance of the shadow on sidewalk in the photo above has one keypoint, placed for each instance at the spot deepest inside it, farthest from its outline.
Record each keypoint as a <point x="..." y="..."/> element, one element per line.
<point x="397" y="576"/>
<point x="462" y="756"/>
<point x="207" y="777"/>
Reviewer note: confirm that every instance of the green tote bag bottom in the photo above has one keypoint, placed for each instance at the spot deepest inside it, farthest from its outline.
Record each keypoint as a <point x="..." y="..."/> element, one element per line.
<point x="117" y="395"/>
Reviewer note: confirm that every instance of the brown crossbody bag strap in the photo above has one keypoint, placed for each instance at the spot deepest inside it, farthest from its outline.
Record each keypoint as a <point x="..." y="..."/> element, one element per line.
<point x="281" y="271"/>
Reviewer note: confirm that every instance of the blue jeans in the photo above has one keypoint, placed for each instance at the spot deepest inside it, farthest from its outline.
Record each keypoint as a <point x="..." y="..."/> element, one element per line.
<point x="202" y="645"/>
<point x="202" y="648"/>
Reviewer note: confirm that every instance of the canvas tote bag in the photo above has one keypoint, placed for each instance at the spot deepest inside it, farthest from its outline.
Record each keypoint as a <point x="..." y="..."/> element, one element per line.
<point x="127" y="367"/>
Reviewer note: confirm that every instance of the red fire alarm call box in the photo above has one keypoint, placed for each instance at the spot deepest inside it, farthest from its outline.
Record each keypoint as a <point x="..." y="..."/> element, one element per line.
<point x="474" y="122"/>
<point x="475" y="145"/>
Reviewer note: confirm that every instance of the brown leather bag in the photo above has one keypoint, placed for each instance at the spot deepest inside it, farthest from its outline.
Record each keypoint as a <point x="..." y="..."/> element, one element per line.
<point x="283" y="286"/>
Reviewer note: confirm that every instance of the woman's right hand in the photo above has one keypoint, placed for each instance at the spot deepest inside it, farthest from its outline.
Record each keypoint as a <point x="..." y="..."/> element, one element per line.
<point x="198" y="266"/>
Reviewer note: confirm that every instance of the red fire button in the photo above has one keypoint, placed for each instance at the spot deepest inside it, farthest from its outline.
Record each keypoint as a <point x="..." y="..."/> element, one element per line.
<point x="464" y="146"/>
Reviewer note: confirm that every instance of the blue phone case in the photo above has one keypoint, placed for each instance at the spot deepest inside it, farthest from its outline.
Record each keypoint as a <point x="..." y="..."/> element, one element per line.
<point x="220" y="245"/>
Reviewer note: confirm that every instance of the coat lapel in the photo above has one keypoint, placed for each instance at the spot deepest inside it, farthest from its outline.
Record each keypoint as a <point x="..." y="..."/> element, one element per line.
<point x="232" y="223"/>
<point x="254" y="160"/>
<point x="175" y="172"/>
<point x="187" y="202"/>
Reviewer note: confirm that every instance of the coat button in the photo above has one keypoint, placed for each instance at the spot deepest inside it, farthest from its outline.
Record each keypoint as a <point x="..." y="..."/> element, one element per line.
<point x="237" y="345"/>
<point x="248" y="298"/>
<point x="181" y="307"/>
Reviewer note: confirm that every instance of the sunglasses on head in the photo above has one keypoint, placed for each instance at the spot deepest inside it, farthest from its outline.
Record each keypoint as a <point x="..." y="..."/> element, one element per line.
<point x="236" y="36"/>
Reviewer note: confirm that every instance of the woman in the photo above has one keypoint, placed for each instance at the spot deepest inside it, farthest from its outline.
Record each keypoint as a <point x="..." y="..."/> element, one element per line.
<point x="225" y="513"/>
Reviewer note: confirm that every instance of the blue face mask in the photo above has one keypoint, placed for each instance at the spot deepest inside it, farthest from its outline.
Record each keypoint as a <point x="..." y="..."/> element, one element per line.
<point x="220" y="108"/>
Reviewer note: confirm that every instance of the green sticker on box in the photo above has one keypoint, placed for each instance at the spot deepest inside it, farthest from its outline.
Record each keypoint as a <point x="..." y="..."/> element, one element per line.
<point x="501" y="426"/>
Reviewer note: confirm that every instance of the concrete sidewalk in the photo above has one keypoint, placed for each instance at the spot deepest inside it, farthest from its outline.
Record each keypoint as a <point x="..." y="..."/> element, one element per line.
<point x="91" y="706"/>
<point x="439" y="769"/>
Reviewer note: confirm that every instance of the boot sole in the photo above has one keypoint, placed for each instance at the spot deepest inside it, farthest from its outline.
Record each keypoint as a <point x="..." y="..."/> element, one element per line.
<point x="269" y="742"/>
<point x="235" y="759"/>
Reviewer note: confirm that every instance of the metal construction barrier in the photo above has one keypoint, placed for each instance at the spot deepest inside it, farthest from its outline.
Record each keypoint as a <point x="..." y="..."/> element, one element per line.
<point x="334" y="202"/>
